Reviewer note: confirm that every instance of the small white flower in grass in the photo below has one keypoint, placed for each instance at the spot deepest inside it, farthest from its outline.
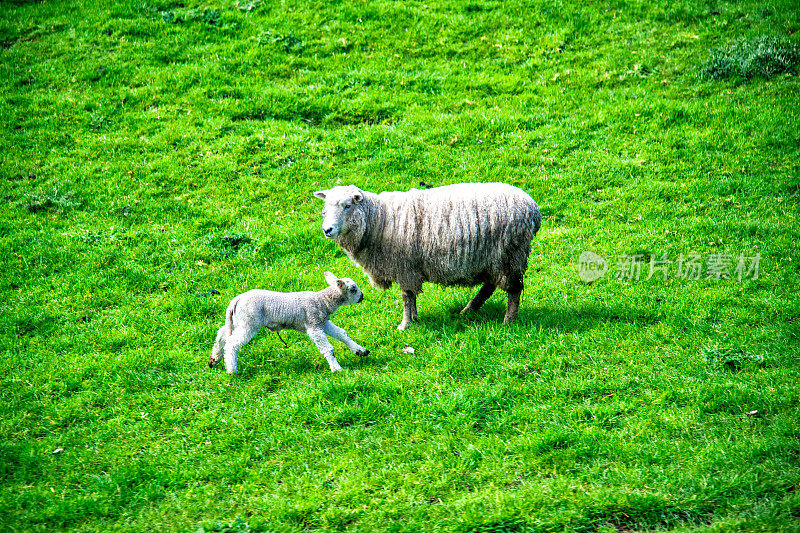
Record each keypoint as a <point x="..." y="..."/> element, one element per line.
<point x="408" y="349"/>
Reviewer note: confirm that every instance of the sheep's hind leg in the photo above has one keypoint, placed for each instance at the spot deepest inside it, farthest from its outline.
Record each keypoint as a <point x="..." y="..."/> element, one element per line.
<point x="514" y="294"/>
<point x="219" y="347"/>
<point x="409" y="309"/>
<point x="486" y="291"/>
<point x="235" y="342"/>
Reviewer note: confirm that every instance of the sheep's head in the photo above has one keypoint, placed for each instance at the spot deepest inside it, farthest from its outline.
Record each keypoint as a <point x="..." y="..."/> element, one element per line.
<point x="342" y="214"/>
<point x="350" y="290"/>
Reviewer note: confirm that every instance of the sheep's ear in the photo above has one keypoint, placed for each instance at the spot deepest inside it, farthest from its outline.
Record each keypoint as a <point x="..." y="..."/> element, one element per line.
<point x="331" y="278"/>
<point x="340" y="284"/>
<point x="357" y="197"/>
<point x="321" y="194"/>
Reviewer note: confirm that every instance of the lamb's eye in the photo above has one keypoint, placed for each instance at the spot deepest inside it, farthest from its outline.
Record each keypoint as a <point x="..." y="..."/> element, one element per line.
<point x="353" y="290"/>
<point x="347" y="206"/>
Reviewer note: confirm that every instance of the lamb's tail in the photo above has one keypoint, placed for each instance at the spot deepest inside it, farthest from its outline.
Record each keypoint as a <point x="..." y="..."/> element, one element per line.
<point x="229" y="315"/>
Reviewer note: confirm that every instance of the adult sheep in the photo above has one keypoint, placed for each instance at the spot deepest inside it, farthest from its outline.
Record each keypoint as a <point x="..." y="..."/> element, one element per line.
<point x="465" y="234"/>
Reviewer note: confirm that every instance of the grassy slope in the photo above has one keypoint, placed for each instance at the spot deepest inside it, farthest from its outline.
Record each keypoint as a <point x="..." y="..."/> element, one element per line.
<point x="154" y="152"/>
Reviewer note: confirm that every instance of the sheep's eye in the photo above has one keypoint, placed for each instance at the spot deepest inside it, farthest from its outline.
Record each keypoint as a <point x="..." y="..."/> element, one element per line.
<point x="348" y="206"/>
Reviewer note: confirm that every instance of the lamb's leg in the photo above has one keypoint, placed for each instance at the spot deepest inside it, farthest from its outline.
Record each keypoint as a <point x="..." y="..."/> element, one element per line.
<point x="219" y="347"/>
<point x="317" y="335"/>
<point x="235" y="342"/>
<point x="480" y="298"/>
<point x="514" y="294"/>
<point x="409" y="309"/>
<point x="339" y="334"/>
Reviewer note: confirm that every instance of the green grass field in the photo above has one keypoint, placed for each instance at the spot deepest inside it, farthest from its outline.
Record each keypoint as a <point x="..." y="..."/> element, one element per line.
<point x="158" y="158"/>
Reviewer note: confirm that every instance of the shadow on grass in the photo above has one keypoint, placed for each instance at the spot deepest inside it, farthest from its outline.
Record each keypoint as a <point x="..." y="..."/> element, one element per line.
<point x="265" y="355"/>
<point x="579" y="318"/>
<point x="267" y="359"/>
<point x="586" y="317"/>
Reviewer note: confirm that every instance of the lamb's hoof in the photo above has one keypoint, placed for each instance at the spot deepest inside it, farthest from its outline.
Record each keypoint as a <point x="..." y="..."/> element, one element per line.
<point x="403" y="326"/>
<point x="211" y="363"/>
<point x="362" y="353"/>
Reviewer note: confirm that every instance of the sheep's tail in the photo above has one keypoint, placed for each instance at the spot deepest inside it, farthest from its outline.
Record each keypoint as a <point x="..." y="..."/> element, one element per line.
<point x="229" y="315"/>
<point x="537" y="219"/>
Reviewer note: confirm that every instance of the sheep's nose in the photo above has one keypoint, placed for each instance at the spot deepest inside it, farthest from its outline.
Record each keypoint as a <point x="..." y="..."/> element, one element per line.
<point x="327" y="231"/>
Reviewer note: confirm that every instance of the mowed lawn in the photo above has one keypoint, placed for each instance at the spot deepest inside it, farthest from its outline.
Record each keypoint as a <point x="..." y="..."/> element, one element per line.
<point x="159" y="158"/>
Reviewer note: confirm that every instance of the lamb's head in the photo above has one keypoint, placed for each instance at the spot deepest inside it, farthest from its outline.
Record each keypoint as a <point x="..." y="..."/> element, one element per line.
<point x="343" y="214"/>
<point x="350" y="291"/>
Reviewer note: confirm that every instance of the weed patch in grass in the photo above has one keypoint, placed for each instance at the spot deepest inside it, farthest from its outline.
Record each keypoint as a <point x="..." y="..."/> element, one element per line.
<point x="763" y="56"/>
<point x="732" y="358"/>
<point x="57" y="199"/>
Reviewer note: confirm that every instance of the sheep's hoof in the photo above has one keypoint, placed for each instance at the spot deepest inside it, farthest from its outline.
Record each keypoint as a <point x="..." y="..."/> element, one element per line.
<point x="362" y="353"/>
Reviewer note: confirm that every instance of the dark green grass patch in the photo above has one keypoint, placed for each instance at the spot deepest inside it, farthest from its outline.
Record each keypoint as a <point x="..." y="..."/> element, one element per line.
<point x="56" y="199"/>
<point x="763" y="56"/>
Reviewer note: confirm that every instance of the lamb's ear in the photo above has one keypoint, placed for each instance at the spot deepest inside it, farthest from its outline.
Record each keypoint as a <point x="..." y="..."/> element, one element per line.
<point x="331" y="278"/>
<point x="357" y="197"/>
<point x="321" y="194"/>
<point x="340" y="284"/>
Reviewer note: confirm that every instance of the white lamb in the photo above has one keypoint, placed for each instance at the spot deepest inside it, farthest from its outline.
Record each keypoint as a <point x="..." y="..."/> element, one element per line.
<point x="305" y="311"/>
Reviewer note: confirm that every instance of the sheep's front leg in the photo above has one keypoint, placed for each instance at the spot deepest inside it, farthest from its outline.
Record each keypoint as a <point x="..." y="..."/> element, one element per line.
<point x="317" y="335"/>
<point x="409" y="309"/>
<point x="339" y="334"/>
